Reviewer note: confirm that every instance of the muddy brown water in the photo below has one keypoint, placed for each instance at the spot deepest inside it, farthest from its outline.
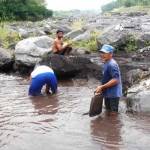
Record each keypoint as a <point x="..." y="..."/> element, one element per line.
<point x="57" y="122"/>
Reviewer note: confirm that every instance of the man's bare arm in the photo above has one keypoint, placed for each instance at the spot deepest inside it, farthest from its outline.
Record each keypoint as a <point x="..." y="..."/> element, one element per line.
<point x="109" y="84"/>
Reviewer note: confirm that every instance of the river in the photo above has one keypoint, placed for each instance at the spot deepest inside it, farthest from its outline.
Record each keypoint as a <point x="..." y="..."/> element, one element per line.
<point x="57" y="122"/>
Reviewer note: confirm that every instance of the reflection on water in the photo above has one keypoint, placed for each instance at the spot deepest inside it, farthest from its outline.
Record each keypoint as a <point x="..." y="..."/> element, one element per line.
<point x="107" y="131"/>
<point x="57" y="122"/>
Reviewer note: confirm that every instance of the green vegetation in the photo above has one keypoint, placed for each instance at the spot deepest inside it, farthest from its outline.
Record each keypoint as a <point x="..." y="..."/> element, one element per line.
<point x="132" y="9"/>
<point x="8" y="38"/>
<point x="147" y="43"/>
<point x="124" y="3"/>
<point x="90" y="44"/>
<point x="23" y="10"/>
<point x="131" y="44"/>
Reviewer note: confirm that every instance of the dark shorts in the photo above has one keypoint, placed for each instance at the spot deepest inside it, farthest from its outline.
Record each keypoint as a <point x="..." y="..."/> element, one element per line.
<point x="66" y="50"/>
<point x="112" y="104"/>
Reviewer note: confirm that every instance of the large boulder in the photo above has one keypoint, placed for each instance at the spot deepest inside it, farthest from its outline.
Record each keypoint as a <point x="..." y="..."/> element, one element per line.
<point x="142" y="55"/>
<point x="31" y="50"/>
<point x="138" y="97"/>
<point x="129" y="34"/>
<point x="113" y="37"/>
<point x="74" y="33"/>
<point x="80" y="51"/>
<point x="84" y="36"/>
<point x="61" y="26"/>
<point x="67" y="66"/>
<point x="6" y="59"/>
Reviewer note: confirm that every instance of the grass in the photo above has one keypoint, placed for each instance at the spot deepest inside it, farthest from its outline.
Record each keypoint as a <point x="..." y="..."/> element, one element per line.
<point x="90" y="44"/>
<point x="7" y="37"/>
<point x="131" y="44"/>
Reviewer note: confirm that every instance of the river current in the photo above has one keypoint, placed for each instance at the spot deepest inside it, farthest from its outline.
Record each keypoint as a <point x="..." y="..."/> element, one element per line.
<point x="57" y="122"/>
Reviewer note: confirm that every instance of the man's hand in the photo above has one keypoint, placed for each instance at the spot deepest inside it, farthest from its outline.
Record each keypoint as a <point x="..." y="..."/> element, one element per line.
<point x="99" y="90"/>
<point x="48" y="92"/>
<point x="65" y="45"/>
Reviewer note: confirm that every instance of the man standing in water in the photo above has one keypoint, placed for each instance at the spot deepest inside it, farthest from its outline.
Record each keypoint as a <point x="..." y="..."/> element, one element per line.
<point x="111" y="87"/>
<point x="58" y="46"/>
<point x="42" y="75"/>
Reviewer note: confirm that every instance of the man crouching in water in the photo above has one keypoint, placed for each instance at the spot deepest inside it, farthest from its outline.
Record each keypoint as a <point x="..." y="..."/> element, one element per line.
<point x="111" y="87"/>
<point x="42" y="75"/>
<point x="58" y="46"/>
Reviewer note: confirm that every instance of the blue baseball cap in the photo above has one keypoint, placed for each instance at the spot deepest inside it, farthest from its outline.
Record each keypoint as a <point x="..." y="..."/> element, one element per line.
<point x="107" y="49"/>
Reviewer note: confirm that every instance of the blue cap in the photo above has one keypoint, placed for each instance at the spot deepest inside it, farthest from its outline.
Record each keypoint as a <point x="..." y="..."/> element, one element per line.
<point x="107" y="49"/>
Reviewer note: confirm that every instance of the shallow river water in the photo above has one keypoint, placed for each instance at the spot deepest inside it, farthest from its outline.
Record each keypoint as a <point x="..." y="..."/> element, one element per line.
<point x="57" y="122"/>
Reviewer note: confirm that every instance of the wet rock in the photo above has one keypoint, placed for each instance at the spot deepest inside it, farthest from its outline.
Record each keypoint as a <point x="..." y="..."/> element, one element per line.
<point x="67" y="66"/>
<point x="6" y="60"/>
<point x="138" y="97"/>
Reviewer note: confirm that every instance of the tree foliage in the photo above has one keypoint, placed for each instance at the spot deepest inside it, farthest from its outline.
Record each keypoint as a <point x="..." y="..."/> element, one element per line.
<point x="125" y="3"/>
<point x="23" y="10"/>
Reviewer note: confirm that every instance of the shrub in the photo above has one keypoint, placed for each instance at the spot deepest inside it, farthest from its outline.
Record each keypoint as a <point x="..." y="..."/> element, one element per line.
<point x="131" y="44"/>
<point x="8" y="38"/>
<point x="90" y="44"/>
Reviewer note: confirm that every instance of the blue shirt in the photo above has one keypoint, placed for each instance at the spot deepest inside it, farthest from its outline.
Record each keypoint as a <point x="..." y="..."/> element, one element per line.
<point x="111" y="71"/>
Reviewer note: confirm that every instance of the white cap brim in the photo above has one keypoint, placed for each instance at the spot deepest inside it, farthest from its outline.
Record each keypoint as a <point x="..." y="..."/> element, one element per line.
<point x="104" y="51"/>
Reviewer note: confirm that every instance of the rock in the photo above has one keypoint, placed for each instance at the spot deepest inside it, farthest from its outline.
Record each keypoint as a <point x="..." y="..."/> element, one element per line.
<point x="84" y="36"/>
<point x="138" y="97"/>
<point x="66" y="66"/>
<point x="31" y="50"/>
<point x="142" y="54"/>
<point x="47" y="29"/>
<point x="6" y="60"/>
<point x="80" y="51"/>
<point x="23" y="33"/>
<point x="64" y="28"/>
<point x="133" y="14"/>
<point x="113" y="37"/>
<point x="74" y="34"/>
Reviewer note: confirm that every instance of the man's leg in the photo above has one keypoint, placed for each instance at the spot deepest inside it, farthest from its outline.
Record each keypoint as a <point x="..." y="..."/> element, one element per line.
<point x="107" y="104"/>
<point x="112" y="105"/>
<point x="66" y="50"/>
<point x="35" y="87"/>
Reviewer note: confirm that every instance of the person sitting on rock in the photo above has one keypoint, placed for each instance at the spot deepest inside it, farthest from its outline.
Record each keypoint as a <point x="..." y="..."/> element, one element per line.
<point x="58" y="46"/>
<point x="40" y="76"/>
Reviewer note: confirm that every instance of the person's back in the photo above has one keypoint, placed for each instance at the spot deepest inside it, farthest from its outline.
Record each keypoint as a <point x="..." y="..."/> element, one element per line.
<point x="42" y="75"/>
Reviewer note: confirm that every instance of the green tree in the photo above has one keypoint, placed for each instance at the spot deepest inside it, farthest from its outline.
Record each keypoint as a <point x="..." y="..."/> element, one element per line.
<point x="23" y="10"/>
<point x="126" y="3"/>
